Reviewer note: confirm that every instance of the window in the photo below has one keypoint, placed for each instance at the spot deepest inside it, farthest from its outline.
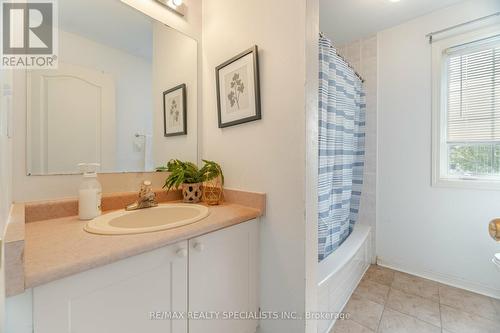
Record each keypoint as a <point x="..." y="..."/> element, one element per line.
<point x="466" y="107"/>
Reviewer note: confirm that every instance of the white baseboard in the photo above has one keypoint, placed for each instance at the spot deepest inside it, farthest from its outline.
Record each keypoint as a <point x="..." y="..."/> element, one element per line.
<point x="441" y="278"/>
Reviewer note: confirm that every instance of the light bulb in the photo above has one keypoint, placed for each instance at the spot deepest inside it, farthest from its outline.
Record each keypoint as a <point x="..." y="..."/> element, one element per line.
<point x="177" y="2"/>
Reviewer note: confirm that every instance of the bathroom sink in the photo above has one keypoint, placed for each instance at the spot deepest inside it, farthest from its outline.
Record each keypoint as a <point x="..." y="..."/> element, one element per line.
<point x="162" y="217"/>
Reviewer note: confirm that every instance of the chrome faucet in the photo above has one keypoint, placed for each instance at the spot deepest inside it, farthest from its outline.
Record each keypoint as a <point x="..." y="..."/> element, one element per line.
<point x="147" y="198"/>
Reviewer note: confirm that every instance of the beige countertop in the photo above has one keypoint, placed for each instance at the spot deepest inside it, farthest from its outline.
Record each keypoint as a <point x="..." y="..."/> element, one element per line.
<point x="59" y="247"/>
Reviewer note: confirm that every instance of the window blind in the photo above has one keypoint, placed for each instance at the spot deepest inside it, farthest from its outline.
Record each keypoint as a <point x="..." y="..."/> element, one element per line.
<point x="473" y="92"/>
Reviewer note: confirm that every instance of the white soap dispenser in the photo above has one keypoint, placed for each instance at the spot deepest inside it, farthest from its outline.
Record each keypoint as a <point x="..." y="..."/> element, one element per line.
<point x="89" y="193"/>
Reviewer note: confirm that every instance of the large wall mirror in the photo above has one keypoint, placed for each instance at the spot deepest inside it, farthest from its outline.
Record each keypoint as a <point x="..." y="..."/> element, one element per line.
<point x="124" y="94"/>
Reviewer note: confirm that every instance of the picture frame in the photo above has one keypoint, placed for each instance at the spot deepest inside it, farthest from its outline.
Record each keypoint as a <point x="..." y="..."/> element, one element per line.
<point x="238" y="89"/>
<point x="175" y="111"/>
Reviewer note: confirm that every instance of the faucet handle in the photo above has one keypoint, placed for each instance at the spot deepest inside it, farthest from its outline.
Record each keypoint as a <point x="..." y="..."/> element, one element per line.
<point x="146" y="186"/>
<point x="146" y="197"/>
<point x="146" y="189"/>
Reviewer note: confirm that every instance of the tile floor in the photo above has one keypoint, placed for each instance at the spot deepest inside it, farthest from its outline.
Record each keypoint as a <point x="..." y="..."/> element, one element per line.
<point x="388" y="301"/>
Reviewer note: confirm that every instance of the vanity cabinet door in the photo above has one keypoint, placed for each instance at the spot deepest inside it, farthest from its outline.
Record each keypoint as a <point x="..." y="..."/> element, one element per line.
<point x="119" y="297"/>
<point x="223" y="277"/>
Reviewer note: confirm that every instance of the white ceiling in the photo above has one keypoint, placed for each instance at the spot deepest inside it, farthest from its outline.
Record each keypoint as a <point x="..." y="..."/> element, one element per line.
<point x="347" y="20"/>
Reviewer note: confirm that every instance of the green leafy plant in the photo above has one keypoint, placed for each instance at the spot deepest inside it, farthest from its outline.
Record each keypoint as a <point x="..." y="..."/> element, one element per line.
<point x="189" y="173"/>
<point x="212" y="170"/>
<point x="181" y="173"/>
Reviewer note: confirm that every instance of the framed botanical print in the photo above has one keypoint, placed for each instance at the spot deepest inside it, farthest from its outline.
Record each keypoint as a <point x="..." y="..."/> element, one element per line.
<point x="238" y="89"/>
<point x="175" y="111"/>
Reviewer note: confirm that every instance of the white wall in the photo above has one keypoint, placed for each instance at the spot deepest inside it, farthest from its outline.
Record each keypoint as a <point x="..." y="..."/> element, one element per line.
<point x="311" y="162"/>
<point x="440" y="233"/>
<point x="266" y="155"/>
<point x="174" y="63"/>
<point x="53" y="187"/>
<point x="5" y="171"/>
<point x="6" y="114"/>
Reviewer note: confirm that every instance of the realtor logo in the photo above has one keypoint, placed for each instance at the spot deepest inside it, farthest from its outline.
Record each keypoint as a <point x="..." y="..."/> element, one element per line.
<point x="29" y="38"/>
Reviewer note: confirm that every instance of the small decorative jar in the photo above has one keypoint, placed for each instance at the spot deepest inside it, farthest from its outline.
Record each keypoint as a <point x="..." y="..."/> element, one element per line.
<point x="213" y="191"/>
<point x="191" y="193"/>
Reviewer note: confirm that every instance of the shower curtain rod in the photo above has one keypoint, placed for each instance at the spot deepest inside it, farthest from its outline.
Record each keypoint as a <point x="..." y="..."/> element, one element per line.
<point x="432" y="34"/>
<point x="347" y="62"/>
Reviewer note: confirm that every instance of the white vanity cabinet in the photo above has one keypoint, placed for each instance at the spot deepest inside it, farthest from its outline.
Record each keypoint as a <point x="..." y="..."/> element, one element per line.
<point x="216" y="272"/>
<point x="117" y="297"/>
<point x="223" y="278"/>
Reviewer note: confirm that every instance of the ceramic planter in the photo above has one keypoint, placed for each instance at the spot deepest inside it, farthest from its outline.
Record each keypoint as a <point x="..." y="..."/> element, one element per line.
<point x="191" y="193"/>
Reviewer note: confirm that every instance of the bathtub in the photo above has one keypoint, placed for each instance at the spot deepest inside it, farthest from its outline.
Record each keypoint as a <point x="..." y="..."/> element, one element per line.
<point x="341" y="271"/>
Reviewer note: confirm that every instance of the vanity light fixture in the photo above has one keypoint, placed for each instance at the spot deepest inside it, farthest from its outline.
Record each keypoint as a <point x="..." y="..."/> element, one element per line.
<point x="177" y="6"/>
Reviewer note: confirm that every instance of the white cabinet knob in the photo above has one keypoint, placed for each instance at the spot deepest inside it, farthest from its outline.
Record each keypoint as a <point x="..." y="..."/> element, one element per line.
<point x="198" y="247"/>
<point x="182" y="253"/>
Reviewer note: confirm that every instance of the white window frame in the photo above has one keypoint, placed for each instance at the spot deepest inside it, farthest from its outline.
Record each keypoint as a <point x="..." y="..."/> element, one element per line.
<point x="440" y="176"/>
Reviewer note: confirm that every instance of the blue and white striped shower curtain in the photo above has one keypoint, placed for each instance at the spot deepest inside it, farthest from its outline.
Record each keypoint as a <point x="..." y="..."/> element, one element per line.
<point x="342" y="110"/>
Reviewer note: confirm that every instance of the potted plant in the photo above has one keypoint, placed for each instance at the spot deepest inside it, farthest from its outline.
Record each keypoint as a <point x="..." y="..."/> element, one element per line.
<point x="185" y="175"/>
<point x="190" y="178"/>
